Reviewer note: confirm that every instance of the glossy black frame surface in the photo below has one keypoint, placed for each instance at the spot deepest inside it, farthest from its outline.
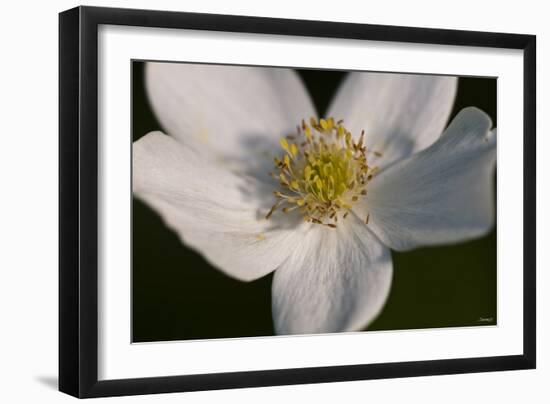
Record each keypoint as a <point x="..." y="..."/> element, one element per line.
<point x="78" y="201"/>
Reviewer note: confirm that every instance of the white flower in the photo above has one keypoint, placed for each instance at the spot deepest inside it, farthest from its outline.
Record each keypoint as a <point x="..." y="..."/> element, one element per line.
<point x="413" y="185"/>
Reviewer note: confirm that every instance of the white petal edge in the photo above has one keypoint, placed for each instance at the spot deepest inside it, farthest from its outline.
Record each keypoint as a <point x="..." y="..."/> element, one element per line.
<point x="400" y="113"/>
<point x="444" y="194"/>
<point x="234" y="111"/>
<point x="212" y="210"/>
<point x="338" y="280"/>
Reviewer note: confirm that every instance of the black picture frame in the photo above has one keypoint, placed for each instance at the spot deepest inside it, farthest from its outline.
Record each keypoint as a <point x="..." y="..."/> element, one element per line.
<point x="78" y="201"/>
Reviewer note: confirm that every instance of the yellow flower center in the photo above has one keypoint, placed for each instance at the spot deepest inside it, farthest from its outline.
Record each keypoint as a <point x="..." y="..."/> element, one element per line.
<point x="322" y="172"/>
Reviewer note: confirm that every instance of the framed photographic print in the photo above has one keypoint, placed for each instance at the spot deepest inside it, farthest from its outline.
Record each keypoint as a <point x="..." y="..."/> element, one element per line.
<point x="251" y="201"/>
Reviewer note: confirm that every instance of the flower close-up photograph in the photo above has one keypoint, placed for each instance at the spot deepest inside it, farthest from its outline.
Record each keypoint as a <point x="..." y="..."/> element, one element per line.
<point x="274" y="201"/>
<point x="271" y="202"/>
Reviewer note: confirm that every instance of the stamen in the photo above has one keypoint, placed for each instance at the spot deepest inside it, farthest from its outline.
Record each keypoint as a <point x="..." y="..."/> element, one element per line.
<point x="322" y="172"/>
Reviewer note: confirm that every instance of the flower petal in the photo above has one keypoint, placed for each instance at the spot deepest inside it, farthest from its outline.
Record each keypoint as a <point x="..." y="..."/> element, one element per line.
<point x="337" y="280"/>
<point x="236" y="111"/>
<point x="211" y="209"/>
<point x="400" y="113"/>
<point x="441" y="195"/>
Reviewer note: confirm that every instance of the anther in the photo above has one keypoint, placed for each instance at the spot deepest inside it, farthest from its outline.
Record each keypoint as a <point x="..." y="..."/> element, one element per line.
<point x="322" y="172"/>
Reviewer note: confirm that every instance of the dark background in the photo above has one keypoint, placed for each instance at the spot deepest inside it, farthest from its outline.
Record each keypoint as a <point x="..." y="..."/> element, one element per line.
<point x="177" y="295"/>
